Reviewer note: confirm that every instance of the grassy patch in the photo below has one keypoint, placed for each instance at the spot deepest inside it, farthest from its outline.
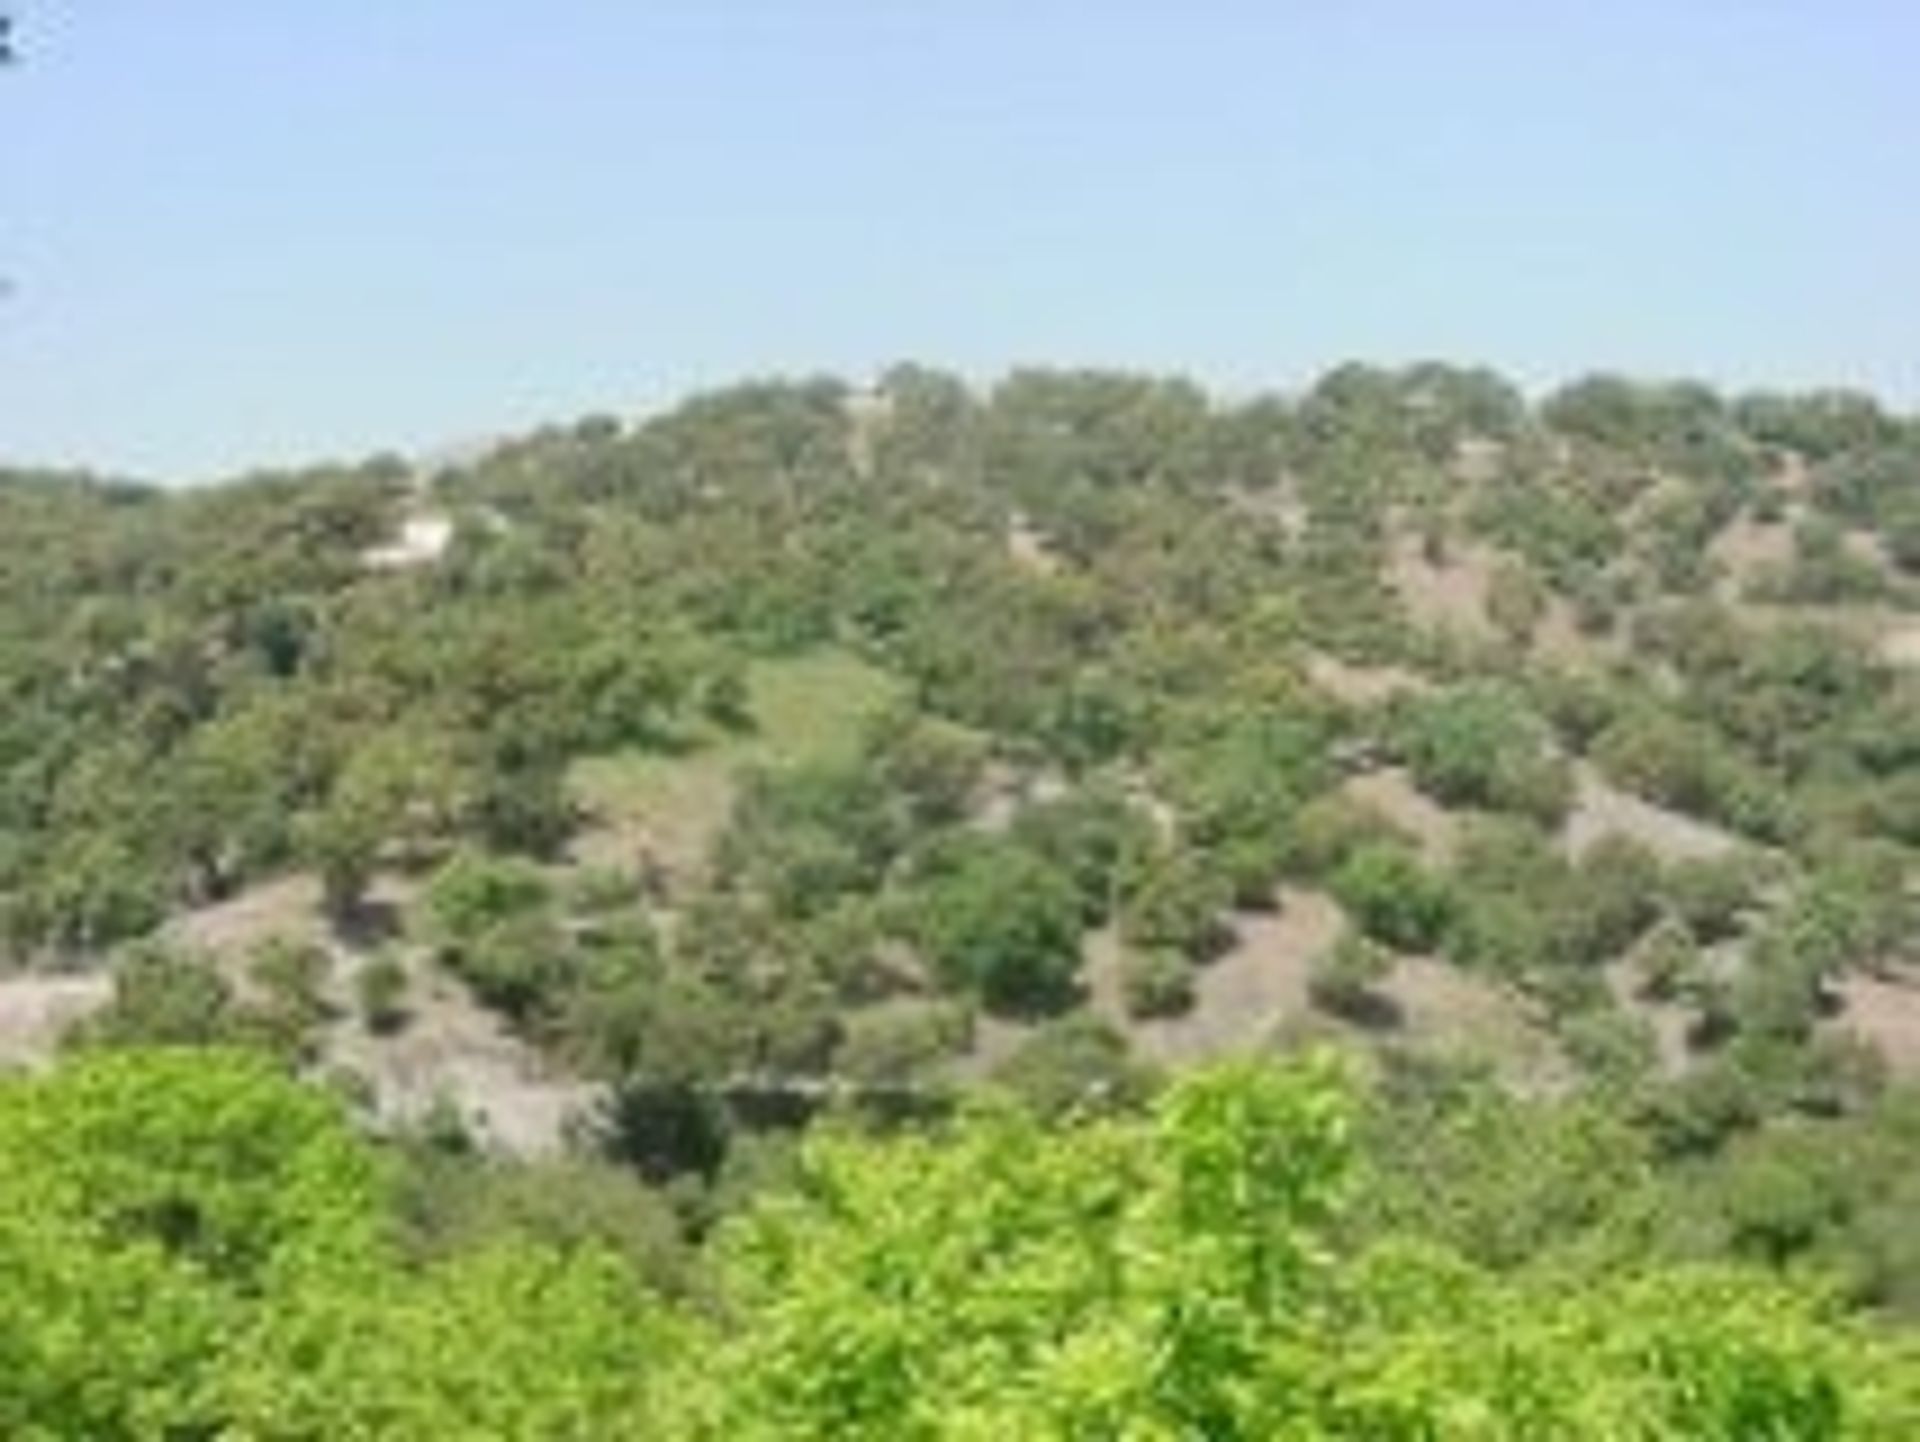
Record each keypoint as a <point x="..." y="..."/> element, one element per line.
<point x="807" y="709"/>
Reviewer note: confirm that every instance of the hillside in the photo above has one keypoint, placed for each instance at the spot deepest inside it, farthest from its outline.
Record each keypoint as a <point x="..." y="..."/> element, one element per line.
<point x="606" y="806"/>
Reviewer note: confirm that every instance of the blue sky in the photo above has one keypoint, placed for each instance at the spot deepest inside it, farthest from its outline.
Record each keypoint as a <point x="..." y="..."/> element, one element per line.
<point x="247" y="233"/>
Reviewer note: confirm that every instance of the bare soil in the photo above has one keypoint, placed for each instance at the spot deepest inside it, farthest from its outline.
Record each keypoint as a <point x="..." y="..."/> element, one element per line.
<point x="1391" y="792"/>
<point x="1602" y="809"/>
<point x="1241" y="996"/>
<point x="1361" y="685"/>
<point x="1029" y="547"/>
<point x="1452" y="595"/>
<point x="1885" y="1011"/>
<point x="36" y="1010"/>
<point x="452" y="1052"/>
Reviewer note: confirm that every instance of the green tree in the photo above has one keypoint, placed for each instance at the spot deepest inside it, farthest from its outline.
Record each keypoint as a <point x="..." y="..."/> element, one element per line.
<point x="1392" y="898"/>
<point x="1001" y="922"/>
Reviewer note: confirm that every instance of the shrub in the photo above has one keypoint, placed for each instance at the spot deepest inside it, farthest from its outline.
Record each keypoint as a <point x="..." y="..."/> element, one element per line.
<point x="1001" y="922"/>
<point x="1393" y="898"/>
<point x="1342" y="979"/>
<point x="1156" y="981"/>
<point x="1708" y="894"/>
<point x="1176" y="906"/>
<point x="381" y="988"/>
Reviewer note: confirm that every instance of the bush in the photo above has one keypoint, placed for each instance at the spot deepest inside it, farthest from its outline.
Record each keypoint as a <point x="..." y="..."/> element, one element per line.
<point x="1393" y="898"/>
<point x="1076" y="1064"/>
<point x="897" y="1043"/>
<point x="1001" y="922"/>
<point x="1342" y="979"/>
<point x="473" y="893"/>
<point x="1708" y="895"/>
<point x="1096" y="836"/>
<point x="1176" y="906"/>
<point x="1484" y="746"/>
<point x="381" y="988"/>
<point x="1328" y="830"/>
<point x="523" y="968"/>
<point x="1156" y="982"/>
<point x="1612" y="898"/>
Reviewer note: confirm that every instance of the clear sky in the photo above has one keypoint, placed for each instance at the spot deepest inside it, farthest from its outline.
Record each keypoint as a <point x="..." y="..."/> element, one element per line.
<point x="258" y="231"/>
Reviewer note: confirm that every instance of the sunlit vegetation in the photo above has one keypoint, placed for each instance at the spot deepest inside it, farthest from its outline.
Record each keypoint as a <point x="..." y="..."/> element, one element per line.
<point x="842" y="789"/>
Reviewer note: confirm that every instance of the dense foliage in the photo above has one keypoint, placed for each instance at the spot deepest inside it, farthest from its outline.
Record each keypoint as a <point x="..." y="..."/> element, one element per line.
<point x="197" y="1247"/>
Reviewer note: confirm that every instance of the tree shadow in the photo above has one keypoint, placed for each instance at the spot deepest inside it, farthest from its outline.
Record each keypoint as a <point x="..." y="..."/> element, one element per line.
<point x="1370" y="1010"/>
<point x="366" y="924"/>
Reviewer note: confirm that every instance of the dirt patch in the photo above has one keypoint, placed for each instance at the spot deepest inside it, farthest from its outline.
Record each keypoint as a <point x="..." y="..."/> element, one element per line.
<point x="996" y="1040"/>
<point x="1746" y="548"/>
<point x="1602" y="809"/>
<point x="1885" y="1011"/>
<point x="1559" y="639"/>
<point x="1445" y="1009"/>
<point x="1240" y="997"/>
<point x="1362" y="685"/>
<point x="1029" y="546"/>
<point x="1450" y="595"/>
<point x="35" y="1011"/>
<point x="1391" y="792"/>
<point x="453" y="1052"/>
<point x="1278" y="505"/>
<point x="288" y="907"/>
<point x="1900" y="643"/>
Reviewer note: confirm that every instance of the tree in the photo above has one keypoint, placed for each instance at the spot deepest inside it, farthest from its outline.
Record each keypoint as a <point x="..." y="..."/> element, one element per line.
<point x="381" y="989"/>
<point x="1169" y="1275"/>
<point x="1393" y="898"/>
<point x="1515" y="602"/>
<point x="1483" y="745"/>
<point x="1001" y="922"/>
<point x="1156" y="981"/>
<point x="1343" y="979"/>
<point x="1176" y="905"/>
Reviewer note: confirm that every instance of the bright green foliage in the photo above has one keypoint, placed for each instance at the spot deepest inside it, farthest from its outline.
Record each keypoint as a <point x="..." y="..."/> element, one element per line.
<point x="196" y="1246"/>
<point x="1003" y="1281"/>
<point x="1169" y="1277"/>
<point x="513" y="1342"/>
<point x="146" y="1201"/>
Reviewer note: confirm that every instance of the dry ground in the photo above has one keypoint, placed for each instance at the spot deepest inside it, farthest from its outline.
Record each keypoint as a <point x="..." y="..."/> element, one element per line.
<point x="1602" y="809"/>
<point x="1391" y="792"/>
